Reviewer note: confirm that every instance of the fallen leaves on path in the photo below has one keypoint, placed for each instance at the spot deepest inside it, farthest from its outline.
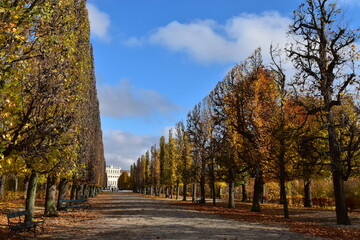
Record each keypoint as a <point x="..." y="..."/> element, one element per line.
<point x="314" y="222"/>
<point x="269" y="215"/>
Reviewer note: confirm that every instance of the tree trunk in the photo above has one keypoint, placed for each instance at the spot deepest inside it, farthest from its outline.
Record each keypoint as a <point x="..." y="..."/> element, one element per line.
<point x="307" y="193"/>
<point x="282" y="177"/>
<point x="258" y="191"/>
<point x="161" y="191"/>
<point x="339" y="192"/>
<point x="244" y="193"/>
<point x="86" y="191"/>
<point x="337" y="170"/>
<point x="79" y="191"/>
<point x="281" y="200"/>
<point x="73" y="191"/>
<point x="202" y="190"/>
<point x="16" y="183"/>
<point x="213" y="193"/>
<point x="26" y="183"/>
<point x="2" y="185"/>
<point x="50" y="205"/>
<point x="31" y="196"/>
<point x="231" y="203"/>
<point x="283" y="193"/>
<point x="184" y="191"/>
<point x="166" y="192"/>
<point x="177" y="191"/>
<point x="91" y="191"/>
<point x="194" y="193"/>
<point x="63" y="189"/>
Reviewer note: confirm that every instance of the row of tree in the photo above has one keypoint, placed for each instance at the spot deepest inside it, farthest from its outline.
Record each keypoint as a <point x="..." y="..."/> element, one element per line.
<point x="259" y="123"/>
<point x="49" y="111"/>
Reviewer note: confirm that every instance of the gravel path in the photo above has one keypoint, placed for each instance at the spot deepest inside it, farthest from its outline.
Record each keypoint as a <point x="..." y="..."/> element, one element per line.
<point x="131" y="216"/>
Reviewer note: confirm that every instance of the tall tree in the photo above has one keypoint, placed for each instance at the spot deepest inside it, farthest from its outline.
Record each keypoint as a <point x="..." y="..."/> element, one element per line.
<point x="184" y="156"/>
<point x="172" y="163"/>
<point x="244" y="121"/>
<point x="155" y="169"/>
<point x="198" y="137"/>
<point x="324" y="53"/>
<point x="163" y="163"/>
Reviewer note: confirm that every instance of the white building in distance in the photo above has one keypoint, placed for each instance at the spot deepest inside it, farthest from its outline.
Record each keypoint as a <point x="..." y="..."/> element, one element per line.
<point x="113" y="174"/>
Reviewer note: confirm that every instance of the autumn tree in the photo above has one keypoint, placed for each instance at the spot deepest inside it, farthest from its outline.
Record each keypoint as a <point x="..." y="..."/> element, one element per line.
<point x="243" y="121"/>
<point x="183" y="149"/>
<point x="147" y="177"/>
<point x="323" y="52"/>
<point x="46" y="70"/>
<point x="197" y="137"/>
<point x="229" y="151"/>
<point x="124" y="181"/>
<point x="155" y="170"/>
<point x="163" y="164"/>
<point x="171" y="164"/>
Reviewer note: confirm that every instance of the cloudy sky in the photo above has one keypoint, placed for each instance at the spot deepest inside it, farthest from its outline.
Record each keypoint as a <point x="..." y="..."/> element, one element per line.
<point x="156" y="59"/>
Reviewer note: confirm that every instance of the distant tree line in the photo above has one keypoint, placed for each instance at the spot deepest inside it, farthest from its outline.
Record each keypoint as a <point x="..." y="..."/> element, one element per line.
<point x="49" y="111"/>
<point x="261" y="124"/>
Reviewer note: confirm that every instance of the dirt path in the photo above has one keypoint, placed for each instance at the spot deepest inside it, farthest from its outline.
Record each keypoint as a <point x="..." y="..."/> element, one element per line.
<point x="131" y="216"/>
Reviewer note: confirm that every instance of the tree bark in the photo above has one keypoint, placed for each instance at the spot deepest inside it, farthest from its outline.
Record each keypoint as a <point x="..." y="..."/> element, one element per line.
<point x="31" y="196"/>
<point x="79" y="191"/>
<point x="282" y="176"/>
<point x="73" y="191"/>
<point x="244" y="193"/>
<point x="26" y="183"/>
<point x="16" y="183"/>
<point x="50" y="204"/>
<point x="156" y="191"/>
<point x="91" y="191"/>
<point x="258" y="191"/>
<point x="202" y="190"/>
<point x="339" y="192"/>
<point x="63" y="189"/>
<point x="2" y="185"/>
<point x="281" y="200"/>
<point x="283" y="193"/>
<point x="307" y="193"/>
<point x="219" y="192"/>
<point x="213" y="193"/>
<point x="184" y="192"/>
<point x="177" y="191"/>
<point x="194" y="192"/>
<point x="166" y="192"/>
<point x="337" y="170"/>
<point x="86" y="191"/>
<point x="231" y="203"/>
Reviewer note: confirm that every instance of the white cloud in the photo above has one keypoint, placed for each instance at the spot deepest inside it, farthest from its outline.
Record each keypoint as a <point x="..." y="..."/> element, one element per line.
<point x="207" y="41"/>
<point x="350" y="2"/>
<point x="123" y="148"/>
<point x="125" y="101"/>
<point x="99" y="22"/>
<point x="134" y="42"/>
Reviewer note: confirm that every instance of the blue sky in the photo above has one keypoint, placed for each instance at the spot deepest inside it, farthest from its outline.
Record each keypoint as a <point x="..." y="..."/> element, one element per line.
<point x="156" y="59"/>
